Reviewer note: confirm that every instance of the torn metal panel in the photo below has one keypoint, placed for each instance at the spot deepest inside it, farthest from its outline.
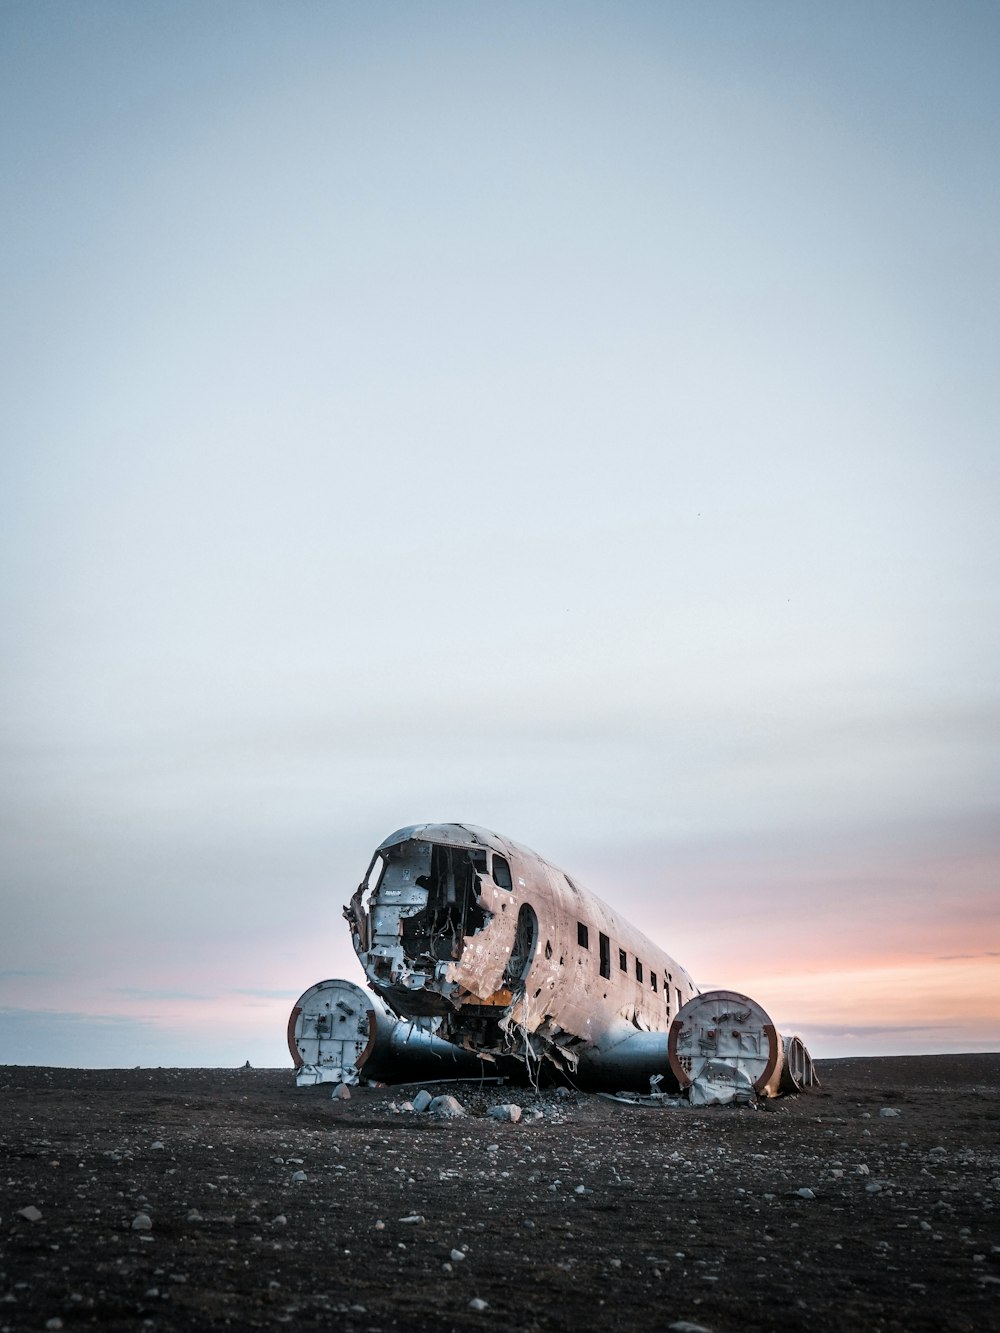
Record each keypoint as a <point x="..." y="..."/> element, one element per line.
<point x="797" y="1069"/>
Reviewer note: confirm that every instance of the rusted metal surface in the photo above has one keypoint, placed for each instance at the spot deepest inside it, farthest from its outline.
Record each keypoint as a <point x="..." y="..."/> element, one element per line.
<point x="513" y="956"/>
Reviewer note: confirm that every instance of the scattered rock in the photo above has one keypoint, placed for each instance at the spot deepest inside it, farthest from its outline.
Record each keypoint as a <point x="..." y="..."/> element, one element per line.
<point x="341" y="1093"/>
<point x="298" y="1177"/>
<point x="457" y="1256"/>
<point x="157" y="1146"/>
<point x="447" y="1107"/>
<point x="422" y="1100"/>
<point x="888" y="1111"/>
<point x="142" y="1222"/>
<point x="477" y="1303"/>
<point x="507" y="1111"/>
<point x="412" y="1219"/>
<point x="685" y="1326"/>
<point x="30" y="1214"/>
<point x="805" y="1193"/>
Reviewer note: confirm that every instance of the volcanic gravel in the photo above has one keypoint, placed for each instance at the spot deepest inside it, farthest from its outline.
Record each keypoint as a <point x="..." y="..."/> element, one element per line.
<point x="210" y="1199"/>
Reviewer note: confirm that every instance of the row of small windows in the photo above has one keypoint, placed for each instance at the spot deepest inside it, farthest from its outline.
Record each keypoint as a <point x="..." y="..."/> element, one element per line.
<point x="583" y="939"/>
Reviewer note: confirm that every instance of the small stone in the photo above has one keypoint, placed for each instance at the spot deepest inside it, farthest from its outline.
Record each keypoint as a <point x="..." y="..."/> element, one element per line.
<point x="447" y="1107"/>
<point x="142" y="1222"/>
<point x="873" y="1187"/>
<point x="406" y="1107"/>
<point x="194" y="1216"/>
<point x="457" y="1256"/>
<point x="412" y="1220"/>
<point x="280" y="1221"/>
<point x="477" y="1303"/>
<point x="56" y="1322"/>
<point x="887" y="1112"/>
<point x="157" y="1146"/>
<point x="341" y="1093"/>
<point x="508" y="1111"/>
<point x="685" y="1326"/>
<point x="30" y="1214"/>
<point x="422" y="1100"/>
<point x="582" y="1189"/>
<point x="447" y="1268"/>
<point x="805" y="1193"/>
<point x="379" y="1225"/>
<point x="298" y="1177"/>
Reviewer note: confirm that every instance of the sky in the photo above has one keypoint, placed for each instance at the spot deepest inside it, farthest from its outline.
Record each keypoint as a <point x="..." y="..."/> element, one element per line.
<point x="579" y="420"/>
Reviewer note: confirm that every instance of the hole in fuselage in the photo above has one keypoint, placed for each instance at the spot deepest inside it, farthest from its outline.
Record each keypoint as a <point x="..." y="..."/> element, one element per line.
<point x="450" y="878"/>
<point x="525" y="941"/>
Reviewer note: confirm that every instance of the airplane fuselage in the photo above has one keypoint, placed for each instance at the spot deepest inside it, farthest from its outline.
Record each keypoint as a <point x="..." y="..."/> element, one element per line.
<point x="513" y="955"/>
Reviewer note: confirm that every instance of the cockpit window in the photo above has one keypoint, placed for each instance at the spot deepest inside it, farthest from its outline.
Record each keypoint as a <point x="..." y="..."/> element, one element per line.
<point x="478" y="859"/>
<point x="374" y="873"/>
<point x="501" y="871"/>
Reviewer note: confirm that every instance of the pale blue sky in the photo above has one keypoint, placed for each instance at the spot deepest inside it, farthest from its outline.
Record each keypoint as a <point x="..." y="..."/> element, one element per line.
<point x="577" y="419"/>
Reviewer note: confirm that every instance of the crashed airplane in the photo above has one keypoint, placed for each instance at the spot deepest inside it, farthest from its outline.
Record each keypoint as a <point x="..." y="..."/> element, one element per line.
<point x="478" y="949"/>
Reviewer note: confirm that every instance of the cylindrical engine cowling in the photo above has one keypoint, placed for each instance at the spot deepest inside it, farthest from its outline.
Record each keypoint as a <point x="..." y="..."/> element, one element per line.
<point x="723" y="1047"/>
<point x="338" y="1032"/>
<point x="334" y="1029"/>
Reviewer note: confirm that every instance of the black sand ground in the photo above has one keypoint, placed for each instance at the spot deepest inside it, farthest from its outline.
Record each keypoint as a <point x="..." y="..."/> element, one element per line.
<point x="683" y="1215"/>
